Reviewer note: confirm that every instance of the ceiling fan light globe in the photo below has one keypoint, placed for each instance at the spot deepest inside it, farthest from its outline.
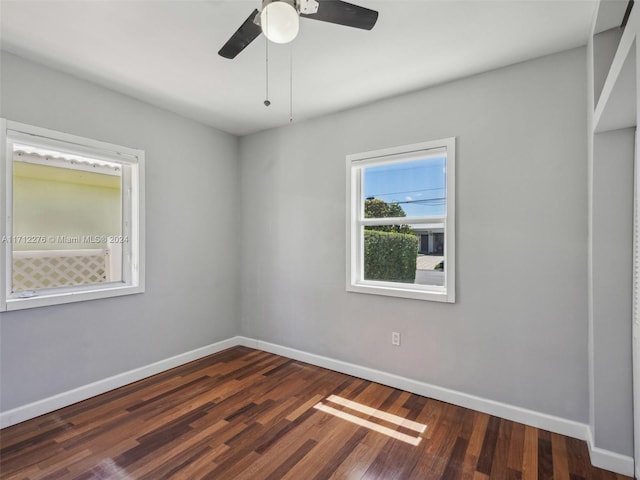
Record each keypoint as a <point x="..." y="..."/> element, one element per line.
<point x="280" y="22"/>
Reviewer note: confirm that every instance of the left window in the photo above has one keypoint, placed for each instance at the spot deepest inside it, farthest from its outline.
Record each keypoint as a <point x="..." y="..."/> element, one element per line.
<point x="72" y="212"/>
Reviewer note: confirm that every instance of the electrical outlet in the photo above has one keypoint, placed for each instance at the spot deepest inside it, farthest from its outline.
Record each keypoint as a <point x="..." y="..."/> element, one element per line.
<point x="395" y="338"/>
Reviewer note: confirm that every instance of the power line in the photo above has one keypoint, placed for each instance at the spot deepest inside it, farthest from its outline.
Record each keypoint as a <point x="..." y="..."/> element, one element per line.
<point x="406" y="191"/>
<point x="427" y="201"/>
<point x="421" y="201"/>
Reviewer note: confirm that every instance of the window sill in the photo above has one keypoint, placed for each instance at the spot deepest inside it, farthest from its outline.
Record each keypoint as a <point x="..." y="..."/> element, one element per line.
<point x="59" y="298"/>
<point x="439" y="295"/>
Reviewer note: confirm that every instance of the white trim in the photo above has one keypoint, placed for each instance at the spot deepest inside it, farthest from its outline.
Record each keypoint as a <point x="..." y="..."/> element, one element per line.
<point x="404" y="153"/>
<point x="609" y="460"/>
<point x="435" y="220"/>
<point x="635" y="300"/>
<point x="517" y="414"/>
<point x="64" y="399"/>
<point x="73" y="144"/>
<point x="601" y="458"/>
<point x="388" y="289"/>
<point x="590" y="142"/>
<point x="58" y="253"/>
<point x="89" y="292"/>
<point x="4" y="250"/>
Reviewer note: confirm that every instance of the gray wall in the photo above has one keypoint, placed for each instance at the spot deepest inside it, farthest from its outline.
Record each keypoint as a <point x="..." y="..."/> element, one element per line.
<point x="191" y="209"/>
<point x="612" y="260"/>
<point x="518" y="331"/>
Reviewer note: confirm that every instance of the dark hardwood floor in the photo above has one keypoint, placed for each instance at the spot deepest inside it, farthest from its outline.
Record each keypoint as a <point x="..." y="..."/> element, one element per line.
<point x="247" y="414"/>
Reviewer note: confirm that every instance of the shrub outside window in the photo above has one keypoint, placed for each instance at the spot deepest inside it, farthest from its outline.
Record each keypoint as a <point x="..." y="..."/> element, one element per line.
<point x="401" y="221"/>
<point x="72" y="218"/>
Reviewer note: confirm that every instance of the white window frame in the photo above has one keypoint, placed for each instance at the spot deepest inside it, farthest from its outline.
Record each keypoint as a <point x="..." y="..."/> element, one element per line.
<point x="133" y="219"/>
<point x="356" y="222"/>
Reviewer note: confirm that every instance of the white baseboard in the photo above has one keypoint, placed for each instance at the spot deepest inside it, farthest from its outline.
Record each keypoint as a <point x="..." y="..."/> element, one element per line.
<point x="600" y="458"/>
<point x="502" y="410"/>
<point x="609" y="460"/>
<point x="46" y="405"/>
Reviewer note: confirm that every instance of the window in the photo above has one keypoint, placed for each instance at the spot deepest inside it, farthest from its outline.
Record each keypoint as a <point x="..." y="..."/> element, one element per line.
<point x="72" y="213"/>
<point x="401" y="221"/>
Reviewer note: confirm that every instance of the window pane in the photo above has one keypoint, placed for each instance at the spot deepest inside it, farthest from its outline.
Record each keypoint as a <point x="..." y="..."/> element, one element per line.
<point x="67" y="221"/>
<point x="402" y="210"/>
<point x="412" y="189"/>
<point x="411" y="253"/>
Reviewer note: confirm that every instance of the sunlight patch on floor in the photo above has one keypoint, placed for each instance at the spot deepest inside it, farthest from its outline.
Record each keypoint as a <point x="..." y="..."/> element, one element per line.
<point x="373" y="412"/>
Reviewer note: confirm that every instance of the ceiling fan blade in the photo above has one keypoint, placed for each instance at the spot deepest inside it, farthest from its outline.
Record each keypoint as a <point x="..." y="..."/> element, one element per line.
<point x="246" y="34"/>
<point x="343" y="13"/>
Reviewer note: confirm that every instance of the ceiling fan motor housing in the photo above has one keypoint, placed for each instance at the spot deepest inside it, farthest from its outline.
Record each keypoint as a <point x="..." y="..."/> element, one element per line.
<point x="307" y="7"/>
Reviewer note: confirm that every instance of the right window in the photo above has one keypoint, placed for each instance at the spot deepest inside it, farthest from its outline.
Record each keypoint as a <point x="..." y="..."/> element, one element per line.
<point x="401" y="221"/>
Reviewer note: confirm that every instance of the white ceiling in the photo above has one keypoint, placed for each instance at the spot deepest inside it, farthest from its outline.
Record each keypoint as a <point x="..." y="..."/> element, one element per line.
<point x="165" y="52"/>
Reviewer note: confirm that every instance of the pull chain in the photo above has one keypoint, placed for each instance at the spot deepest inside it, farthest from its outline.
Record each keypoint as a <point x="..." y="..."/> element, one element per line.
<point x="266" y="64"/>
<point x="291" y="84"/>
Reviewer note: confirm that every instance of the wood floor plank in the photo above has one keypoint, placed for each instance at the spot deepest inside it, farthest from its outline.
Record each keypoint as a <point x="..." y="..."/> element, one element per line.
<point x="336" y="435"/>
<point x="438" y="449"/>
<point x="499" y="466"/>
<point x="60" y="467"/>
<point x="578" y="458"/>
<point x="398" y="459"/>
<point x="454" y="466"/>
<point x="516" y="447"/>
<point x="358" y="462"/>
<point x="304" y="407"/>
<point x="340" y="454"/>
<point x="489" y="446"/>
<point x="387" y="464"/>
<point x="271" y="458"/>
<point x="560" y="460"/>
<point x="245" y="414"/>
<point x="530" y="454"/>
<point x="545" y="456"/>
<point x="480" y="423"/>
<point x="197" y="442"/>
<point x="294" y="458"/>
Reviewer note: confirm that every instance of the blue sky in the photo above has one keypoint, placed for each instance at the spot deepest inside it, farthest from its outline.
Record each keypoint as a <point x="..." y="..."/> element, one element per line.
<point x="418" y="186"/>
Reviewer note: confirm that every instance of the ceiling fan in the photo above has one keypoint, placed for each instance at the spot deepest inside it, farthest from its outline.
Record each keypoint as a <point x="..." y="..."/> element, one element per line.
<point x="279" y="19"/>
